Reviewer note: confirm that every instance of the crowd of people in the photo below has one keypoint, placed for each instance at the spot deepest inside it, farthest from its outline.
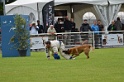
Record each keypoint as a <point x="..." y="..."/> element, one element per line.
<point x="68" y="25"/>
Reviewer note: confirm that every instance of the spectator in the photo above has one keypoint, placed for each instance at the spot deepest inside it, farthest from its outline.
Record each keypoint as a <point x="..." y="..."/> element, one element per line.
<point x="41" y="29"/>
<point x="59" y="26"/>
<point x="122" y="26"/>
<point x="95" y="28"/>
<point x="85" y="27"/>
<point x="67" y="25"/>
<point x="73" y="25"/>
<point x="118" y="24"/>
<point x="101" y="28"/>
<point x="51" y="30"/>
<point x="112" y="26"/>
<point x="100" y="25"/>
<point x="34" y="28"/>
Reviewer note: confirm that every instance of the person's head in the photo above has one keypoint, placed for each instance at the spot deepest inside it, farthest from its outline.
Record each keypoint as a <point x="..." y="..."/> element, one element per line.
<point x="98" y="21"/>
<point x="51" y="26"/>
<point x="38" y="21"/>
<point x="72" y="20"/>
<point x="113" y="22"/>
<point x="67" y="18"/>
<point x="85" y="21"/>
<point x="48" y="44"/>
<point x="95" y="22"/>
<point x="33" y="24"/>
<point x="118" y="18"/>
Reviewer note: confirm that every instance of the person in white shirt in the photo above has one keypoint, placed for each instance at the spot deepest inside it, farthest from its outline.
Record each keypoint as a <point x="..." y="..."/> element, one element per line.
<point x="56" y="47"/>
<point x="34" y="29"/>
<point x="51" y="30"/>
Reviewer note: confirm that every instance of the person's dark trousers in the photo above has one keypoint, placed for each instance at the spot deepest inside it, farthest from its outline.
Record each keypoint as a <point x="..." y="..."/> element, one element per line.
<point x="96" y="37"/>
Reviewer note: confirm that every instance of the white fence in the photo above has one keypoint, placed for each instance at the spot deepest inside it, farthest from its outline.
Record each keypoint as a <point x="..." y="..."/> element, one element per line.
<point x="101" y="40"/>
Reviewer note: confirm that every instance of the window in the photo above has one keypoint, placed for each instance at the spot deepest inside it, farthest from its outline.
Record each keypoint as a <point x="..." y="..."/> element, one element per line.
<point x="32" y="17"/>
<point x="60" y="12"/>
<point x="121" y="15"/>
<point x="90" y="17"/>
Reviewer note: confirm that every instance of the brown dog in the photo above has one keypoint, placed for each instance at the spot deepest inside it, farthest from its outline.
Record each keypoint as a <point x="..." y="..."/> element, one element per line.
<point x="75" y="51"/>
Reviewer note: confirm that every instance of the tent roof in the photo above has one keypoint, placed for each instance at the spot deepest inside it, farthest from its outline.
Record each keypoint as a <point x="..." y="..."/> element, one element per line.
<point x="33" y="3"/>
<point x="22" y="2"/>
<point x="100" y="2"/>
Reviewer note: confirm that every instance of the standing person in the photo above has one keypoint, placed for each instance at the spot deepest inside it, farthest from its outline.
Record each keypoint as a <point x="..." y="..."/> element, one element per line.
<point x="100" y="25"/>
<point x="41" y="29"/>
<point x="112" y="27"/>
<point x="67" y="27"/>
<point x="73" y="25"/>
<point x="118" y="24"/>
<point x="95" y="28"/>
<point x="85" y="27"/>
<point x="51" y="30"/>
<point x="34" y="28"/>
<point x="56" y="47"/>
<point x="67" y="24"/>
<point x="59" y="26"/>
<point x="101" y="28"/>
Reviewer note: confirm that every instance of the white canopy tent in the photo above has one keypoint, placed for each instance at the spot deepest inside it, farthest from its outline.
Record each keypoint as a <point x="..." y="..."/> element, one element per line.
<point x="106" y="9"/>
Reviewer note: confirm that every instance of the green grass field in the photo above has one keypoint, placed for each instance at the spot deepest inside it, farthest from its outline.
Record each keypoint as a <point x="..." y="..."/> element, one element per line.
<point x="104" y="65"/>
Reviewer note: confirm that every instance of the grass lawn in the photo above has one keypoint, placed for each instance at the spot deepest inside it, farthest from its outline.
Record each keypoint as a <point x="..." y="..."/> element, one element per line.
<point x="104" y="65"/>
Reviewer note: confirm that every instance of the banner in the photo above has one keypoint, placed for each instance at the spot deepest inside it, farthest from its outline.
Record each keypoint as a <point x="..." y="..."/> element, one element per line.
<point x="48" y="14"/>
<point x="112" y="39"/>
<point x="38" y="42"/>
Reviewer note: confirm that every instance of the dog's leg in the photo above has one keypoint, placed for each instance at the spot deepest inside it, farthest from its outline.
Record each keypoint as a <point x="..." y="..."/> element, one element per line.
<point x="87" y="54"/>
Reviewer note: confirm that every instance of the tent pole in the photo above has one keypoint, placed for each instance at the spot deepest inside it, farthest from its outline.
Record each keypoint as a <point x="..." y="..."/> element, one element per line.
<point x="72" y="11"/>
<point x="38" y="11"/>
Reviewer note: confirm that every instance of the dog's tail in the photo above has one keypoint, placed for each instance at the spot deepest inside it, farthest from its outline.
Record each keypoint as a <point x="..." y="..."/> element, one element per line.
<point x="85" y="42"/>
<point x="91" y="48"/>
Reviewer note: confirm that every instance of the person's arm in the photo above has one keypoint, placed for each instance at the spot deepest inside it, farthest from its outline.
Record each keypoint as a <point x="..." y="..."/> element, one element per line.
<point x="37" y="28"/>
<point x="47" y="53"/>
<point x="55" y="52"/>
<point x="81" y="29"/>
<point x="90" y="28"/>
<point x="30" y="28"/>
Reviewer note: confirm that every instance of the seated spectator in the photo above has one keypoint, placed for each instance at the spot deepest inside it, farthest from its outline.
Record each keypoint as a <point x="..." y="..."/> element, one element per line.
<point x="51" y="30"/>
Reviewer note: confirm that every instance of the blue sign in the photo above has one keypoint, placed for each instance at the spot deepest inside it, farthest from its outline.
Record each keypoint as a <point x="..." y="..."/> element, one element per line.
<point x="7" y="22"/>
